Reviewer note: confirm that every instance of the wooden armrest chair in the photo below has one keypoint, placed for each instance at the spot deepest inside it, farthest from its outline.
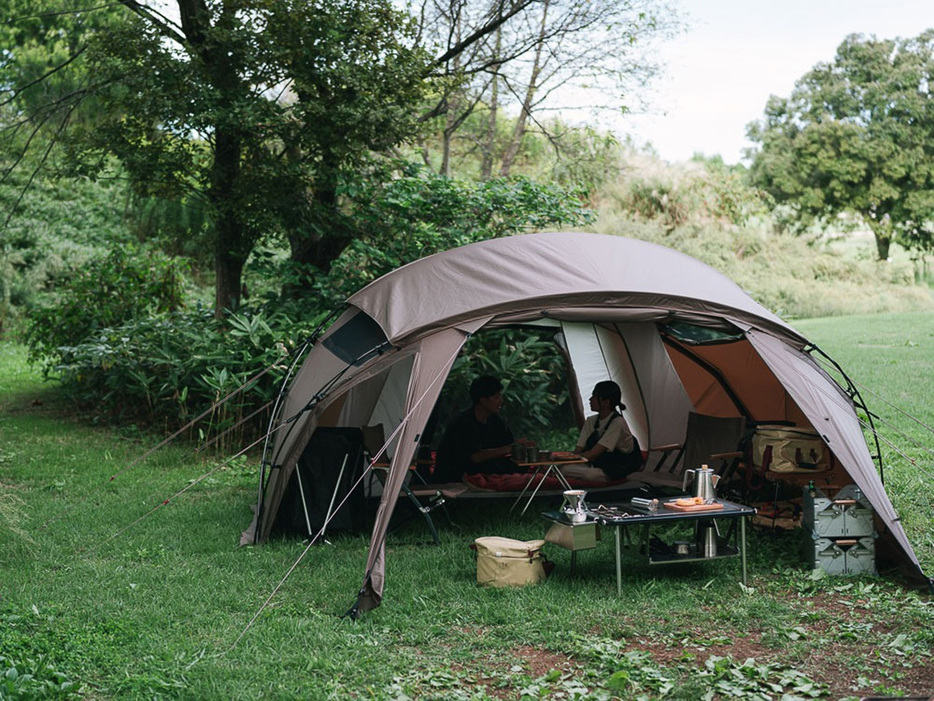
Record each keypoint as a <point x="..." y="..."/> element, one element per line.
<point x="710" y="440"/>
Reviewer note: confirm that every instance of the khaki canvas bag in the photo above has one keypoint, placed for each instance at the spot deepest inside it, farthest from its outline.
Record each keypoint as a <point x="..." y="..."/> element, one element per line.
<point x="504" y="562"/>
<point x="788" y="449"/>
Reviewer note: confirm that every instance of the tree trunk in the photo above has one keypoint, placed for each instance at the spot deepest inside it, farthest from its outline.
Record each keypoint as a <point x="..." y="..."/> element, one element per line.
<point x="489" y="148"/>
<point x="233" y="242"/>
<point x="322" y="239"/>
<point x="231" y="245"/>
<point x="882" y="246"/>
<point x="882" y="231"/>
<point x="518" y="132"/>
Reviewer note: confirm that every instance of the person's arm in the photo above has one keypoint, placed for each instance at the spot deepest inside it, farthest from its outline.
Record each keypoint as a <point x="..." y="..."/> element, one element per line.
<point x="593" y="453"/>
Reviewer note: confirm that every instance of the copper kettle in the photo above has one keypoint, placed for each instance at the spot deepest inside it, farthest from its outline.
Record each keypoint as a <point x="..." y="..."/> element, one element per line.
<point x="705" y="483"/>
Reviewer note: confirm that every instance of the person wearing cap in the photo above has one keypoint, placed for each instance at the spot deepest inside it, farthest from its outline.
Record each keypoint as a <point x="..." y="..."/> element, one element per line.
<point x="605" y="442"/>
<point x="477" y="440"/>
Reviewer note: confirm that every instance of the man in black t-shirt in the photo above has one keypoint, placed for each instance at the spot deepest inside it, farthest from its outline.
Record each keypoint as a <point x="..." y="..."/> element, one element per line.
<point x="477" y="440"/>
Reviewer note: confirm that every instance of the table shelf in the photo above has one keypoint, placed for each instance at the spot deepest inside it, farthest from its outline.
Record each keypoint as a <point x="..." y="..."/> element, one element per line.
<point x="723" y="552"/>
<point x="623" y="516"/>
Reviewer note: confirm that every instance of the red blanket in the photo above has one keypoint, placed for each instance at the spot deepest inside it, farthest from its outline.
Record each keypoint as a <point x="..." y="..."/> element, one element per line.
<point x="516" y="482"/>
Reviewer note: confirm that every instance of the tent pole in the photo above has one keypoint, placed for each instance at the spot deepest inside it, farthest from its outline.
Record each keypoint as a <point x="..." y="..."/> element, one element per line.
<point x="337" y="486"/>
<point x="301" y="490"/>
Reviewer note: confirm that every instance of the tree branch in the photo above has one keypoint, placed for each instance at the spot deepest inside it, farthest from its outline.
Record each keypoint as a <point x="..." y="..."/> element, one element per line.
<point x="481" y="32"/>
<point x="168" y="28"/>
<point x="55" y="69"/>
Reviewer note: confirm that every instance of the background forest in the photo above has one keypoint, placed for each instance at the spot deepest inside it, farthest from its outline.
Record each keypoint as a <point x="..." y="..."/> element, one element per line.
<point x="190" y="189"/>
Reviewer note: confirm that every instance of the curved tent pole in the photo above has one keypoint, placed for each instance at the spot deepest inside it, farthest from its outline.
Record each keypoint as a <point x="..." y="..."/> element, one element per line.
<point x="854" y="394"/>
<point x="292" y="420"/>
<point x="299" y="353"/>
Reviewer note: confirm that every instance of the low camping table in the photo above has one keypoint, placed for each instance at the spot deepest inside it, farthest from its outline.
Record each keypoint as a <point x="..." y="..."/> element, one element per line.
<point x="621" y="516"/>
<point x="551" y="466"/>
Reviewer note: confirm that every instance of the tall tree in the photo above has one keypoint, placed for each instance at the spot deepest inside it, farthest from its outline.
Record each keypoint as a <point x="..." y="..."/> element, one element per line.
<point x="595" y="49"/>
<point x="856" y="136"/>
<point x="254" y="108"/>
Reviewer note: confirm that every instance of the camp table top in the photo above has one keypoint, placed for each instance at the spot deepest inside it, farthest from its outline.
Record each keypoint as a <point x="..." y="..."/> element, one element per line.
<point x="623" y="515"/>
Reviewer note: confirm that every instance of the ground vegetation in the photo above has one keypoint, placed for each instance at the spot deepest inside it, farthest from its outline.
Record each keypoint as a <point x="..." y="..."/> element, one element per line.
<point x="123" y="579"/>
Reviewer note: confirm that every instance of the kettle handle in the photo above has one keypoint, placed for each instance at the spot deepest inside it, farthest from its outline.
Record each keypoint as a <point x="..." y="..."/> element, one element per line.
<point x="684" y="484"/>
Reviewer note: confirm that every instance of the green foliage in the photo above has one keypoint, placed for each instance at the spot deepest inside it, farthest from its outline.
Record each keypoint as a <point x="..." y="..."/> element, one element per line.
<point x="32" y="679"/>
<point x="792" y="276"/>
<point x="126" y="284"/>
<point x="856" y="136"/>
<point x="252" y="112"/>
<point x="167" y="369"/>
<point x="54" y="228"/>
<point x="399" y="219"/>
<point x="533" y="374"/>
<point x="699" y="192"/>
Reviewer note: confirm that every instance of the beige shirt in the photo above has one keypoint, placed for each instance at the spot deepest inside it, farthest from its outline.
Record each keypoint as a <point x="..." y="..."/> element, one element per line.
<point x="615" y="436"/>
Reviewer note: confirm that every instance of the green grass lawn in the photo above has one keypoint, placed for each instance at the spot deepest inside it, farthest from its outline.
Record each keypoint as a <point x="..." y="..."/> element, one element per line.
<point x="108" y="592"/>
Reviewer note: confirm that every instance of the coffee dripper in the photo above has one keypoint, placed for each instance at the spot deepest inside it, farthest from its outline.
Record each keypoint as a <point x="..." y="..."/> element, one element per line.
<point x="574" y="508"/>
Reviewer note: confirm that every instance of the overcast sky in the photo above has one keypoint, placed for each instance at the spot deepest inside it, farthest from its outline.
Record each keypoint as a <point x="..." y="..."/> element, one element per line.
<point x="736" y="53"/>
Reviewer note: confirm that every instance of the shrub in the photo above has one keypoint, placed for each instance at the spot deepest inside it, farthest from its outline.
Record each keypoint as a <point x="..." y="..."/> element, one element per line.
<point x="174" y="367"/>
<point x="126" y="284"/>
<point x="403" y="218"/>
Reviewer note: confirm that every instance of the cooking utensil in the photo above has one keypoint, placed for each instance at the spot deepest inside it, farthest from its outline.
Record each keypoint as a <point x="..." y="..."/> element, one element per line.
<point x="574" y="507"/>
<point x="705" y="482"/>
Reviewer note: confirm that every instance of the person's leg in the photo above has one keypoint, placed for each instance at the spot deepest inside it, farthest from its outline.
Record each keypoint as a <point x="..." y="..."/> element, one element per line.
<point x="583" y="473"/>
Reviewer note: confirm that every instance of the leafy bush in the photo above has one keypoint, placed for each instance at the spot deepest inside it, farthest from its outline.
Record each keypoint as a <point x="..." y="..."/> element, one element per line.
<point x="54" y="227"/>
<point x="31" y="679"/>
<point x="126" y="284"/>
<point x="534" y="377"/>
<point x="698" y="192"/>
<point x="400" y="219"/>
<point x="171" y="368"/>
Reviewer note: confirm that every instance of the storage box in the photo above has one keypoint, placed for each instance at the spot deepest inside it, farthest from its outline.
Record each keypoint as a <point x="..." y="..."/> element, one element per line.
<point x="573" y="536"/>
<point x="841" y="556"/>
<point x="789" y="449"/>
<point x="847" y="515"/>
<point x="504" y="562"/>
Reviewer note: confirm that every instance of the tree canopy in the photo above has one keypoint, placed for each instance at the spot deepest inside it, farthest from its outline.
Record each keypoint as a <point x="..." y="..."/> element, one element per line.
<point x="253" y="115"/>
<point x="856" y="136"/>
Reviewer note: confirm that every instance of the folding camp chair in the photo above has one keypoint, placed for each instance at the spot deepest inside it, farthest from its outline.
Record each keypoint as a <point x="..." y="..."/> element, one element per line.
<point x="709" y="440"/>
<point x="374" y="441"/>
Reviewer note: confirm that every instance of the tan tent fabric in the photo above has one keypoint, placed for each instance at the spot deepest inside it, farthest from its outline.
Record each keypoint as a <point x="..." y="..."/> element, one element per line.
<point x="389" y="354"/>
<point x="553" y="269"/>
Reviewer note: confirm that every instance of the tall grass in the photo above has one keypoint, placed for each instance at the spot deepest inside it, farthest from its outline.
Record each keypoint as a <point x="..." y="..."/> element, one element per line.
<point x="107" y="591"/>
<point x="709" y="215"/>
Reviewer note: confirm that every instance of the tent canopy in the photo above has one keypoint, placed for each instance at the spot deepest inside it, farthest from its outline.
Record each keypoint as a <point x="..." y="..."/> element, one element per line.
<point x="675" y="334"/>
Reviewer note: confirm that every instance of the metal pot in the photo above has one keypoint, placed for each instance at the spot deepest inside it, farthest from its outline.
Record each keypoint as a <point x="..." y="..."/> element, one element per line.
<point x="706" y="539"/>
<point x="705" y="483"/>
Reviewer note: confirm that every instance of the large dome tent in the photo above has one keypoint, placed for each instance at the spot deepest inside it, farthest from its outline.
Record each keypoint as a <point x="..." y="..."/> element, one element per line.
<point x="625" y="309"/>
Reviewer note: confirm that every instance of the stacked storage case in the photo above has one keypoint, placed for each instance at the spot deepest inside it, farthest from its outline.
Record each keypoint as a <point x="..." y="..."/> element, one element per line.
<point x="839" y="535"/>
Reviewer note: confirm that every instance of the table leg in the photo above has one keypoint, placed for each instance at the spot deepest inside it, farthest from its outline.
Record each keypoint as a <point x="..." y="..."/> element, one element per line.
<point x="619" y="567"/>
<point x="526" y="488"/>
<point x="560" y="477"/>
<point x="742" y="545"/>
